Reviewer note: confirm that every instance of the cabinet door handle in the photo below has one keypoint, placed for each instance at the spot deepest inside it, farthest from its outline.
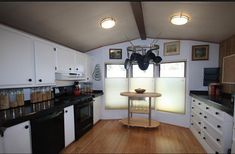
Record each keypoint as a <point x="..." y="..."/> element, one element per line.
<point x="217" y="140"/>
<point x="199" y="132"/>
<point x="218" y="126"/>
<point x="70" y="68"/>
<point x="205" y="117"/>
<point x="199" y="123"/>
<point x="26" y="126"/>
<point x="199" y="103"/>
<point x="66" y="111"/>
<point x="200" y="113"/>
<point x="54" y="49"/>
<point x="40" y="80"/>
<point x="207" y="108"/>
<point x="30" y="80"/>
<point x="204" y="138"/>
<point x="192" y="107"/>
<point x="216" y="113"/>
<point x="204" y="127"/>
<point x="76" y="68"/>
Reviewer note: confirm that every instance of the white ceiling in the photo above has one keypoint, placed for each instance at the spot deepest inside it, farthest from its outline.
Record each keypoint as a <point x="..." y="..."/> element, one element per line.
<point x="76" y="24"/>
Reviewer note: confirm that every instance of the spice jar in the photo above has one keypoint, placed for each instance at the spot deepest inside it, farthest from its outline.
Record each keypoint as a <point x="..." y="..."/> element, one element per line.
<point x="44" y="93"/>
<point x="33" y="95"/>
<point x="39" y="94"/>
<point x="12" y="99"/>
<point x="20" y="97"/>
<point x="4" y="100"/>
<point x="48" y="93"/>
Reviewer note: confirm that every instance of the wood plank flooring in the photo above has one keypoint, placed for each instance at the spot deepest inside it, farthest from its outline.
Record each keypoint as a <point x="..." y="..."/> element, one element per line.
<point x="110" y="136"/>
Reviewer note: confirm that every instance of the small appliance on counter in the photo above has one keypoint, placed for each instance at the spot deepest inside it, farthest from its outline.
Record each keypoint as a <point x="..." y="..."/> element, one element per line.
<point x="214" y="89"/>
<point x="77" y="87"/>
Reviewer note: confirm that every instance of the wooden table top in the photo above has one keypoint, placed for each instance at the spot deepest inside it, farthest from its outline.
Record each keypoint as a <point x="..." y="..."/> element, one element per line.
<point x="138" y="95"/>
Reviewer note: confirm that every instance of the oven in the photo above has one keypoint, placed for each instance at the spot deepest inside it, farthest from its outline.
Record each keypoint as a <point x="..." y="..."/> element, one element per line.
<point x="83" y="117"/>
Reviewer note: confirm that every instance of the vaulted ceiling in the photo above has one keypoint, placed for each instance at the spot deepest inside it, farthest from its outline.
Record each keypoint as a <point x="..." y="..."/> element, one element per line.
<point x="76" y="24"/>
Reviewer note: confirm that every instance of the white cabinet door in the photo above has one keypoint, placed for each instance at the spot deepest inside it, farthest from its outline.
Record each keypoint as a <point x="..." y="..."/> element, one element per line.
<point x="69" y="130"/>
<point x="44" y="63"/>
<point x="88" y="69"/>
<point x="17" y="139"/>
<point x="16" y="59"/>
<point x="65" y="60"/>
<point x="80" y="62"/>
<point x="97" y="109"/>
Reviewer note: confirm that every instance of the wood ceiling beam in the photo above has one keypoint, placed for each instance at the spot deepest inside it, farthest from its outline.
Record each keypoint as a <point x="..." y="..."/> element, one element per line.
<point x="139" y="18"/>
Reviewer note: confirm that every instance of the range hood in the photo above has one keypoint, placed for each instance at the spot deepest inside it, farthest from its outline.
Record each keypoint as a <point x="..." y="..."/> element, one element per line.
<point x="70" y="76"/>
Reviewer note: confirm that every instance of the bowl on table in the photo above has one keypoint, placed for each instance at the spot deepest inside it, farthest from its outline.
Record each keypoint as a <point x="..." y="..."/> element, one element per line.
<point x="139" y="90"/>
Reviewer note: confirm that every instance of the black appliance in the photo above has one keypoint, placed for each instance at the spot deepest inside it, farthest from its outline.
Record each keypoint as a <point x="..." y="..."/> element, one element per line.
<point x="210" y="75"/>
<point x="83" y="116"/>
<point x="48" y="133"/>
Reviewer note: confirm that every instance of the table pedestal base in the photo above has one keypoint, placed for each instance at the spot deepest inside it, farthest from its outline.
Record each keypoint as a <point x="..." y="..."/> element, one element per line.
<point x="140" y="122"/>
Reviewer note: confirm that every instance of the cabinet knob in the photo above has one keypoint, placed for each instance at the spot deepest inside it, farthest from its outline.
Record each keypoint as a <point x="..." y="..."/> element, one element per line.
<point x="70" y="68"/>
<point x="192" y="107"/>
<point x="30" y="80"/>
<point x="191" y="123"/>
<point x="26" y="126"/>
<point x="216" y="113"/>
<point x="199" y="123"/>
<point x="216" y="152"/>
<point x="66" y="111"/>
<point x="204" y="127"/>
<point x="217" y="140"/>
<point x="218" y="126"/>
<point x="40" y="80"/>
<point x="193" y="100"/>
<point x="199" y="103"/>
<point x="205" y="117"/>
<point x="54" y="49"/>
<point x="199" y="132"/>
<point x="191" y="115"/>
<point x="204" y="138"/>
<point x="207" y="108"/>
<point x="76" y="68"/>
<point x="200" y="113"/>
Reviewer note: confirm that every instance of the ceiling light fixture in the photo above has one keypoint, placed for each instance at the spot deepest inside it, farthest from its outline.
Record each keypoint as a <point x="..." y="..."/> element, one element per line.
<point x="179" y="19"/>
<point x="107" y="23"/>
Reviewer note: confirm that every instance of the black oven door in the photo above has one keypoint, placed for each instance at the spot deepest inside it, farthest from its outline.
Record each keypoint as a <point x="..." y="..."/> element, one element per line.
<point x="83" y="118"/>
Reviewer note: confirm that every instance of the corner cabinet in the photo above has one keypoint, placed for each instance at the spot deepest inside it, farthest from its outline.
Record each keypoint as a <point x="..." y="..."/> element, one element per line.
<point x="16" y="59"/>
<point x="69" y="127"/>
<point x="44" y="63"/>
<point x="17" y="139"/>
<point x="97" y="109"/>
<point x="211" y="127"/>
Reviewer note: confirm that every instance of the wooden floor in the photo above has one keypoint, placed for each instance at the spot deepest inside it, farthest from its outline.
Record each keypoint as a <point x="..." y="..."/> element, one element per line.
<point x="110" y="136"/>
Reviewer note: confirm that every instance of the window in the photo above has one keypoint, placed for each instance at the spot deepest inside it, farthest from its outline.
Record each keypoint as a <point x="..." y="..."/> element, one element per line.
<point x="172" y="69"/>
<point x="137" y="72"/>
<point x="115" y="70"/>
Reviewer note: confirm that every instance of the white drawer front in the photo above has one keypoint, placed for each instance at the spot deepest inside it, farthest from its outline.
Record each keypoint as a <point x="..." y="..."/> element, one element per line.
<point x="218" y="137"/>
<point x="210" y="141"/>
<point x="216" y="123"/>
<point x="218" y="113"/>
<point x="196" y="119"/>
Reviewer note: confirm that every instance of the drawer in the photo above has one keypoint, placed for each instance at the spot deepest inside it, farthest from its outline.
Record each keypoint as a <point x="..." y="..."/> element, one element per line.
<point x="198" y="112"/>
<point x="210" y="141"/>
<point x="215" y="122"/>
<point x="218" y="137"/>
<point x="197" y="120"/>
<point x="217" y="113"/>
<point x="197" y="128"/>
<point x="208" y="108"/>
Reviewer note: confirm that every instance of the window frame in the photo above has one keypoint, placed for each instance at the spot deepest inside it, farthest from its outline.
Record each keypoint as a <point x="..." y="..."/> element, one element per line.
<point x="185" y="67"/>
<point x="154" y="71"/>
<point x="105" y="70"/>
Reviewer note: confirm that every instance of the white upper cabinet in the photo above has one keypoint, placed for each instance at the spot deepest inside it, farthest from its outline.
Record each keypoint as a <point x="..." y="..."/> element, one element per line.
<point x="65" y="60"/>
<point x="80" y="62"/>
<point x="16" y="59"/>
<point x="44" y="63"/>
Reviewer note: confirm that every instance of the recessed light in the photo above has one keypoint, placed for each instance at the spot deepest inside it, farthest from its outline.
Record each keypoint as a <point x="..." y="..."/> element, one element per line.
<point x="179" y="19"/>
<point x="107" y="23"/>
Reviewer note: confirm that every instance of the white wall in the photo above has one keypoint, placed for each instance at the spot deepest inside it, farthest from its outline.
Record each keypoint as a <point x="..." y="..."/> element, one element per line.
<point x="194" y="74"/>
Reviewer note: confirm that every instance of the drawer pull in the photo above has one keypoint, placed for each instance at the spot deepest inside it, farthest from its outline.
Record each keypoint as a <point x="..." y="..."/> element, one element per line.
<point x="199" y="123"/>
<point x="30" y="80"/>
<point x="26" y="126"/>
<point x="205" y="117"/>
<point x="191" y="123"/>
<point x="193" y="100"/>
<point x="204" y="138"/>
<point x="218" y="126"/>
<point x="192" y="107"/>
<point x="191" y="115"/>
<point x="216" y="152"/>
<point x="199" y="132"/>
<point x="204" y="127"/>
<point x="207" y="108"/>
<point x="199" y="103"/>
<point x="217" y="140"/>
<point x="200" y="113"/>
<point x="216" y="113"/>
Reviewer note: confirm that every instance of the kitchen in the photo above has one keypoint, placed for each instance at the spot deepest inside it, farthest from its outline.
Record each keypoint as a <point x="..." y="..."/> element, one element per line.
<point x="62" y="75"/>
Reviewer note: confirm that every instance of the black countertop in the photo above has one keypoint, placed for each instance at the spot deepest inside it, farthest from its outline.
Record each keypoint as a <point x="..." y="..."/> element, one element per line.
<point x="222" y="102"/>
<point x="29" y="111"/>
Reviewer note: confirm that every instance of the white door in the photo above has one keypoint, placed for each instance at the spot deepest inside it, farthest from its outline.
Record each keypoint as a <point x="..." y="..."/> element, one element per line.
<point x="44" y="63"/>
<point x="96" y="109"/>
<point x="65" y="60"/>
<point x="69" y="130"/>
<point x="17" y="139"/>
<point x="16" y="59"/>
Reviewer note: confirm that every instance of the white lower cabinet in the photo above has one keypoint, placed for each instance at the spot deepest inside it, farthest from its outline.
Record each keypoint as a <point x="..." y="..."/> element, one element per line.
<point x="97" y="109"/>
<point x="69" y="131"/>
<point x="17" y="139"/>
<point x="211" y="127"/>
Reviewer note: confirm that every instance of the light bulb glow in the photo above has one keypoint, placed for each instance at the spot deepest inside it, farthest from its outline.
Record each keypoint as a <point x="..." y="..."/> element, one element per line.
<point x="179" y="19"/>
<point x="107" y="23"/>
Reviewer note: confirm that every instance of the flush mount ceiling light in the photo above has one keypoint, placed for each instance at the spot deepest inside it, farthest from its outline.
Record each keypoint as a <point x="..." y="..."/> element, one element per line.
<point x="107" y="23"/>
<point x="179" y="19"/>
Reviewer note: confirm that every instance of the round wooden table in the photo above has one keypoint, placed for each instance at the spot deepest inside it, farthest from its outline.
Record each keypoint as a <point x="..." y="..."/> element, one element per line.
<point x="139" y="122"/>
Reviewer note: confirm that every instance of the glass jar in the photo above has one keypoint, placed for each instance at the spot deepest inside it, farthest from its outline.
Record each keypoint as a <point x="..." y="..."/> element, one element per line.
<point x="44" y="93"/>
<point x="39" y="94"/>
<point x="48" y="93"/>
<point x="33" y="95"/>
<point x="12" y="99"/>
<point x="4" y="100"/>
<point x="20" y="97"/>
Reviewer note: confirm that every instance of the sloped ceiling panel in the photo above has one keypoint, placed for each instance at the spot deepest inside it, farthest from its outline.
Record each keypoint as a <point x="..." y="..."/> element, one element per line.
<point x="74" y="24"/>
<point x="208" y="21"/>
